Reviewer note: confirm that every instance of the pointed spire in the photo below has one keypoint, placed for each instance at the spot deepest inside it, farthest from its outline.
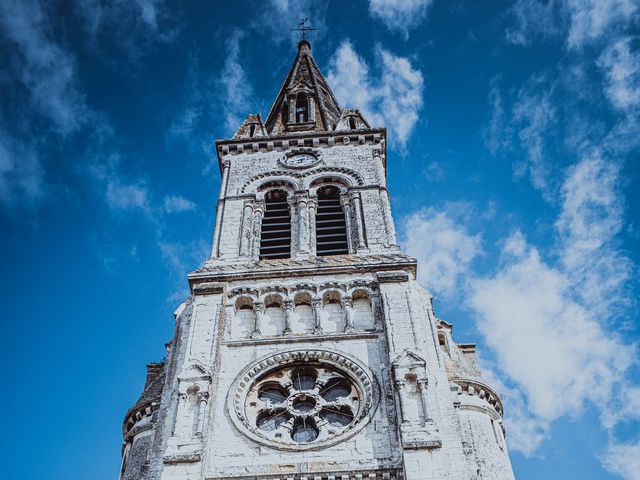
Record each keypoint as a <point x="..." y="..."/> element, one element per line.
<point x="305" y="101"/>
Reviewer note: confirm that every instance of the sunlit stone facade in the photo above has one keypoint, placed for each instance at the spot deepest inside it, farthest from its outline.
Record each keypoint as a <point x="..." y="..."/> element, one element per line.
<point x="307" y="349"/>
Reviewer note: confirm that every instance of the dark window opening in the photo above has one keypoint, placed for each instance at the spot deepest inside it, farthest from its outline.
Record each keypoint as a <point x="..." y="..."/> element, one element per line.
<point x="252" y="129"/>
<point x="302" y="108"/>
<point x="275" y="238"/>
<point x="331" y="230"/>
<point x="352" y="123"/>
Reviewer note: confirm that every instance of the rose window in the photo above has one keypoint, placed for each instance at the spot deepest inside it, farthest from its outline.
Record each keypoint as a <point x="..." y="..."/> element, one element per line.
<point x="305" y="403"/>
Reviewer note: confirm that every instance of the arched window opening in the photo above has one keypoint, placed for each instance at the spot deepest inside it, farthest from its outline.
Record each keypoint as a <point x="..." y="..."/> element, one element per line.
<point x="303" y="318"/>
<point x="352" y="123"/>
<point x="245" y="320"/>
<point x="302" y="108"/>
<point x="334" y="315"/>
<point x="275" y="239"/>
<point x="442" y="340"/>
<point x="252" y="129"/>
<point x="331" y="230"/>
<point x="273" y="323"/>
<point x="363" y="317"/>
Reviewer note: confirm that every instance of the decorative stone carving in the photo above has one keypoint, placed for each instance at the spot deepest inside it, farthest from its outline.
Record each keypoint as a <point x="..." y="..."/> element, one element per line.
<point x="303" y="399"/>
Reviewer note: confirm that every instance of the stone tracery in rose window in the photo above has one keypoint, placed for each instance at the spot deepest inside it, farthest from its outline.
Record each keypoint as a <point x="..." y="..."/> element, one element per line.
<point x="303" y="403"/>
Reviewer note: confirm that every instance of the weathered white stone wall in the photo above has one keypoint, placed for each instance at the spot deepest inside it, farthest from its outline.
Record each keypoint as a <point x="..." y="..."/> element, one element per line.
<point x="350" y="160"/>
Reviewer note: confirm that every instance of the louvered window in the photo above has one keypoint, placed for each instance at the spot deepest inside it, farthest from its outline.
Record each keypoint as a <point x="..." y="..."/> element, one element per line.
<point x="331" y="230"/>
<point x="275" y="237"/>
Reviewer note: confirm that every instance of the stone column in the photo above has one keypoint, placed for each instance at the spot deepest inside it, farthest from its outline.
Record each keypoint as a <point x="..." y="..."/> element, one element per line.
<point x="357" y="209"/>
<point x="346" y="208"/>
<point x="303" y="223"/>
<point x="203" y="398"/>
<point x="347" y="304"/>
<point x="424" y="396"/>
<point x="291" y="100"/>
<point x="388" y="219"/>
<point x="312" y="108"/>
<point x="312" y="208"/>
<point x="258" y="308"/>
<point x="402" y="393"/>
<point x="316" y="305"/>
<point x="245" y="235"/>
<point x="258" y="212"/>
<point x="215" y="249"/>
<point x="288" y="310"/>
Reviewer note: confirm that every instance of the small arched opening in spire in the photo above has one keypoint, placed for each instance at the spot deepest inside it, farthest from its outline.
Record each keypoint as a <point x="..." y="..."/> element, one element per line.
<point x="302" y="108"/>
<point x="275" y="238"/>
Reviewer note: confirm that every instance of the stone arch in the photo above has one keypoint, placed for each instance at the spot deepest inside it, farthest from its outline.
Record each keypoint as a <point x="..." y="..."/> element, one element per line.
<point x="273" y="323"/>
<point x="283" y="177"/>
<point x="303" y="319"/>
<point x="344" y="177"/>
<point x="245" y="316"/>
<point x="363" y="313"/>
<point x="285" y="184"/>
<point x="332" y="311"/>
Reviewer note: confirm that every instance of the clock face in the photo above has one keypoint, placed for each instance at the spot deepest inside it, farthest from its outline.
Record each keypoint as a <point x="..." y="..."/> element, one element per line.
<point x="300" y="160"/>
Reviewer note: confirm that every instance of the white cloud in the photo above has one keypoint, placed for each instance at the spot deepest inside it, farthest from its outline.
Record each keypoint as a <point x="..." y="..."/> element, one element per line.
<point x="394" y="99"/>
<point x="237" y="91"/>
<point x="533" y="116"/>
<point x="177" y="204"/>
<point x="124" y="196"/>
<point x="594" y="19"/>
<point x="591" y="217"/>
<point x="551" y="346"/>
<point x="45" y="69"/>
<point x="444" y="249"/>
<point x="623" y="459"/>
<point x="532" y="19"/>
<point x="549" y="324"/>
<point x="400" y="15"/>
<point x="621" y="66"/>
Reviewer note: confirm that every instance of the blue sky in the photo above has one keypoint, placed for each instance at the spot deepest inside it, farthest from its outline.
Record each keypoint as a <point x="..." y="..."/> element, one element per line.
<point x="513" y="166"/>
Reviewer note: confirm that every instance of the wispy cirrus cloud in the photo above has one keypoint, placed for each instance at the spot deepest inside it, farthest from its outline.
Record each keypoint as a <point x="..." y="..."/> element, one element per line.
<point x="42" y="67"/>
<point x="276" y="18"/>
<point x="594" y="20"/>
<point x="620" y="62"/>
<point x="133" y="25"/>
<point x="393" y="97"/>
<point x="237" y="91"/>
<point x="533" y="19"/>
<point x="581" y="22"/>
<point x="523" y="129"/>
<point x="400" y="16"/>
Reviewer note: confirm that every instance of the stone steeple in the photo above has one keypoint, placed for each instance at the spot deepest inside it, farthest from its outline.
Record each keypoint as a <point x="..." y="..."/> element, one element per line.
<point x="305" y="101"/>
<point x="307" y="349"/>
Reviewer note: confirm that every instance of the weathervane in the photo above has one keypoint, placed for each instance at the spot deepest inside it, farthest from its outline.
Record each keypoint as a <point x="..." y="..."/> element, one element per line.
<point x="303" y="28"/>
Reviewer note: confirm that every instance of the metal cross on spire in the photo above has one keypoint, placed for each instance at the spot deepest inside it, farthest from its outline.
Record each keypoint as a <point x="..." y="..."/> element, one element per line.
<point x="303" y="28"/>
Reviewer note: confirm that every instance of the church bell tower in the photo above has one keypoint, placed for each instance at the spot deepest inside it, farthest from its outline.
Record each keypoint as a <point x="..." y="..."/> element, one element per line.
<point x="307" y="350"/>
